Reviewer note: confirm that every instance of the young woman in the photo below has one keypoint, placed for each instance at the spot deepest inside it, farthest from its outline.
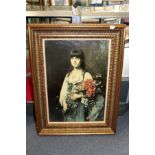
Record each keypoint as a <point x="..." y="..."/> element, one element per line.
<point x="70" y="95"/>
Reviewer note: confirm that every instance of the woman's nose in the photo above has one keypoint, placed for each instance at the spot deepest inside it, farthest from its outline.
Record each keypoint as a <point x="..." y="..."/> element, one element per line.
<point x="74" y="58"/>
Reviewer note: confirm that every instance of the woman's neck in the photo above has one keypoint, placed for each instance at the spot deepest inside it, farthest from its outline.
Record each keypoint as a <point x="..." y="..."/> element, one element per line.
<point x="77" y="69"/>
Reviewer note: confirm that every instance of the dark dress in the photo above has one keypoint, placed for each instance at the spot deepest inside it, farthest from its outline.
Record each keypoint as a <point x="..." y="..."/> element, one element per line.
<point x="75" y="109"/>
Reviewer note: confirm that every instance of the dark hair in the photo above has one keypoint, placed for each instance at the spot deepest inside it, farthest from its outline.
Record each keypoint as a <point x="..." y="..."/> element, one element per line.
<point x="78" y="54"/>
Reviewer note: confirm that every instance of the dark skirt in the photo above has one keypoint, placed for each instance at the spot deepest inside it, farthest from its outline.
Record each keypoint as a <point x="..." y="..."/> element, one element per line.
<point x="75" y="115"/>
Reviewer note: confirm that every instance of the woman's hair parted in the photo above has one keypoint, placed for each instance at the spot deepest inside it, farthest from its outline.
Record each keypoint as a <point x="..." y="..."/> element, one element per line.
<point x="79" y="54"/>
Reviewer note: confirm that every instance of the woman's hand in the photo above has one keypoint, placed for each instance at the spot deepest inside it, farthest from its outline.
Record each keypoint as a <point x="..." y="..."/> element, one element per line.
<point x="64" y="106"/>
<point x="75" y="96"/>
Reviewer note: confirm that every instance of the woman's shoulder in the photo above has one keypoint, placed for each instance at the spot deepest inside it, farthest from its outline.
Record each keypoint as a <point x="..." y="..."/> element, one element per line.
<point x="67" y="76"/>
<point x="87" y="75"/>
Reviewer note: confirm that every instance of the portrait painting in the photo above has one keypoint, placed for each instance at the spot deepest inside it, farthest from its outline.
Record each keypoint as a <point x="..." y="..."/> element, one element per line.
<point x="66" y="79"/>
<point x="76" y="72"/>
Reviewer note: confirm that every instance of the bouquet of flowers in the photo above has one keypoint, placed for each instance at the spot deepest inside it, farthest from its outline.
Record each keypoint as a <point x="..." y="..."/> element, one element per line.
<point x="91" y="88"/>
<point x="88" y="89"/>
<point x="99" y="84"/>
<point x="73" y="89"/>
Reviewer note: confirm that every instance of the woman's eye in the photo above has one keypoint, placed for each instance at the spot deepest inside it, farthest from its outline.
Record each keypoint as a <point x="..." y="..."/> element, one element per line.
<point x="74" y="58"/>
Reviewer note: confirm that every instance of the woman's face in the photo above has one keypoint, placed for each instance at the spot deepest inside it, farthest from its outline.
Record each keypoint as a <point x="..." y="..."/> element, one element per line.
<point x="75" y="62"/>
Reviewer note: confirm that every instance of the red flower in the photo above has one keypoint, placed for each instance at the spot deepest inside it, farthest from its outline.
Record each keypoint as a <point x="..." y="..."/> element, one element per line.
<point x="90" y="87"/>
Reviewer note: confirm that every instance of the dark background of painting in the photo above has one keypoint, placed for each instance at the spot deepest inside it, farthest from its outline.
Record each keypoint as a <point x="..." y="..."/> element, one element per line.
<point x="58" y="63"/>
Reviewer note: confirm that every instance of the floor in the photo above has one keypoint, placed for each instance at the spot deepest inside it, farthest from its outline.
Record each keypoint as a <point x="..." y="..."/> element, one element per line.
<point x="117" y="144"/>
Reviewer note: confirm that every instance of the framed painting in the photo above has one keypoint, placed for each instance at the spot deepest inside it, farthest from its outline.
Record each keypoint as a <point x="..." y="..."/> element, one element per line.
<point x="76" y="74"/>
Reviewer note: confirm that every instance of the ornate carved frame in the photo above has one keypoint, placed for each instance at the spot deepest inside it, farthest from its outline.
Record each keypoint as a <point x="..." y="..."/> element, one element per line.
<point x="38" y="32"/>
